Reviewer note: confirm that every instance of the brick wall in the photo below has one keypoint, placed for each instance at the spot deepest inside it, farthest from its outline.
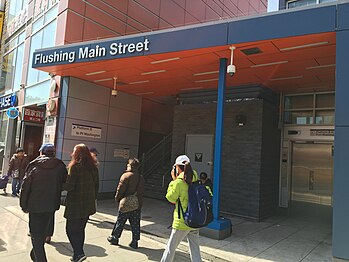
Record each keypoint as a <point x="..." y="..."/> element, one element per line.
<point x="245" y="179"/>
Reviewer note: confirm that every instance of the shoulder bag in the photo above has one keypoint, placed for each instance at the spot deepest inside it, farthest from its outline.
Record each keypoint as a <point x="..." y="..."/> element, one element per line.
<point x="130" y="203"/>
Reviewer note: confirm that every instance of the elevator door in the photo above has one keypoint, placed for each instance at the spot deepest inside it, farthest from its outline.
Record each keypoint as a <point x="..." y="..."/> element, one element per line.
<point x="312" y="174"/>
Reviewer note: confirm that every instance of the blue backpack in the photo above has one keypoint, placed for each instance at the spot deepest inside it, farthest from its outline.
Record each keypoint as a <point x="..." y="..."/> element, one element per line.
<point x="199" y="210"/>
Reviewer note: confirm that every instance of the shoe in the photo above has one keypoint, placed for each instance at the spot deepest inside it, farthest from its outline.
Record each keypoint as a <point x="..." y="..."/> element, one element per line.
<point x="14" y="195"/>
<point x="48" y="240"/>
<point x="133" y="244"/>
<point x="80" y="258"/>
<point x="113" y="240"/>
<point x="29" y="235"/>
<point x="5" y="191"/>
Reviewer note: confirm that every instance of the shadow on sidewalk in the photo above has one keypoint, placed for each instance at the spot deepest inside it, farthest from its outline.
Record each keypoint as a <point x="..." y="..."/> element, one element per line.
<point x="156" y="254"/>
<point x="91" y="250"/>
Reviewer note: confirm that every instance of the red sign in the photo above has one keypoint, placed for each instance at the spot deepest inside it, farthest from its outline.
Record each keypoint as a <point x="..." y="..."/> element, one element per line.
<point x="34" y="115"/>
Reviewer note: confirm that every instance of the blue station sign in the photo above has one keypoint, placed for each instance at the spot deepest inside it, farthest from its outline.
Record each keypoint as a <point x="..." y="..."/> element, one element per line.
<point x="91" y="51"/>
<point x="8" y="101"/>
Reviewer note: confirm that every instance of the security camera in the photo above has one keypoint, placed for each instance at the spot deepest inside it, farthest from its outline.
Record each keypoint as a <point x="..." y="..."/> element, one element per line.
<point x="231" y="70"/>
<point x="114" y="92"/>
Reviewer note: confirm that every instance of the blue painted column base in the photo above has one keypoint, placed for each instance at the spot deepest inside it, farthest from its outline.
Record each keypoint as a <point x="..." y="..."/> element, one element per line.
<point x="218" y="229"/>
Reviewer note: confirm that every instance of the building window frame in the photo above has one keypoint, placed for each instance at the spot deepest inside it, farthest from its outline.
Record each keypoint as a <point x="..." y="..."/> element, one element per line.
<point x="311" y="114"/>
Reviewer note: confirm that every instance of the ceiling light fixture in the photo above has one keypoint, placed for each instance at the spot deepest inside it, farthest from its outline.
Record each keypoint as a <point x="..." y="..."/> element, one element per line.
<point x="153" y="72"/>
<point x="144" y="93"/>
<point x="320" y="66"/>
<point x="205" y="73"/>
<point x="114" y="91"/>
<point x="95" y="73"/>
<point x="286" y="78"/>
<point x="102" y="80"/>
<point x="207" y="80"/>
<point x="303" y="46"/>
<point x="165" y="60"/>
<point x="269" y="64"/>
<point x="191" y="88"/>
<point x="138" y="82"/>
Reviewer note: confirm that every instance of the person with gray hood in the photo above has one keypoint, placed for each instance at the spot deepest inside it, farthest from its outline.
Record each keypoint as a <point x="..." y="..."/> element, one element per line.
<point x="40" y="196"/>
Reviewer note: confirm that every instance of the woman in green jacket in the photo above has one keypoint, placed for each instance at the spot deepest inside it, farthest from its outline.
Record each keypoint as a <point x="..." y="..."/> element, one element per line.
<point x="178" y="190"/>
<point x="82" y="186"/>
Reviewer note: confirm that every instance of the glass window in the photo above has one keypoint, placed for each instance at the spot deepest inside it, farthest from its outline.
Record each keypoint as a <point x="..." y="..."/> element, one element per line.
<point x="324" y="117"/>
<point x="299" y="118"/>
<point x="38" y="24"/>
<point x="300" y="3"/>
<point x="8" y="69"/>
<point x="18" y="68"/>
<point x="21" y="37"/>
<point x="38" y="93"/>
<point x="324" y="100"/>
<point x="298" y="102"/>
<point x="52" y="13"/>
<point x="42" y="39"/>
<point x="35" y="44"/>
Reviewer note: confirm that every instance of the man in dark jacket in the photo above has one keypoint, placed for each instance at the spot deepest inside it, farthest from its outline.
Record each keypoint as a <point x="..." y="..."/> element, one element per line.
<point x="17" y="165"/>
<point x="40" y="196"/>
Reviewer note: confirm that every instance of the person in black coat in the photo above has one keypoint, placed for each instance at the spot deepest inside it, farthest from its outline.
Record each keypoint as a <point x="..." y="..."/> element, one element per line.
<point x="40" y="196"/>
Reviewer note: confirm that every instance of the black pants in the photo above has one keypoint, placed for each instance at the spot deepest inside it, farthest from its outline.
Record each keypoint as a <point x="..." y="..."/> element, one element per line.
<point x="75" y="229"/>
<point x="134" y="217"/>
<point x="38" y="223"/>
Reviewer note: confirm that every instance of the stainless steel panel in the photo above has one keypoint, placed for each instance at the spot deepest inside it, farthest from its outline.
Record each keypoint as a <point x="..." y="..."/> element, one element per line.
<point x="312" y="173"/>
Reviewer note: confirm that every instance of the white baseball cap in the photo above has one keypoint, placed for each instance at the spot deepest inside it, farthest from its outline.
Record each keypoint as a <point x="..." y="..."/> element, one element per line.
<point x="181" y="160"/>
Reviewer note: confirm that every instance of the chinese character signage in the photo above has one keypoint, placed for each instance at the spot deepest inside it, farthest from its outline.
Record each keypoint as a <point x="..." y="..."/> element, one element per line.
<point x="34" y="115"/>
<point x="18" y="21"/>
<point x="42" y="5"/>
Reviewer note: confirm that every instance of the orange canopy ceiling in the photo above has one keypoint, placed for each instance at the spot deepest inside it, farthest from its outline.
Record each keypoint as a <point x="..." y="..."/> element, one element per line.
<point x="289" y="65"/>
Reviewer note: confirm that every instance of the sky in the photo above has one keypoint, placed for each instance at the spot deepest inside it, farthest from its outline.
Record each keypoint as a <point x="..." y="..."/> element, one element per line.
<point x="273" y="5"/>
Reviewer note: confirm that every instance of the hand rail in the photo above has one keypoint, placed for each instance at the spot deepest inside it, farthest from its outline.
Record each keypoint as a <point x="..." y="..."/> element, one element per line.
<point x="158" y="156"/>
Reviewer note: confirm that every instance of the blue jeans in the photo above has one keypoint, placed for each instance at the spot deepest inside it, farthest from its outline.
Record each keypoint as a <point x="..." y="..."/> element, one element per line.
<point x="15" y="185"/>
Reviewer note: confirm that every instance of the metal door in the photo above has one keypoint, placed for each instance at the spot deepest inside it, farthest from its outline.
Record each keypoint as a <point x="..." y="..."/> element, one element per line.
<point x="312" y="173"/>
<point x="199" y="148"/>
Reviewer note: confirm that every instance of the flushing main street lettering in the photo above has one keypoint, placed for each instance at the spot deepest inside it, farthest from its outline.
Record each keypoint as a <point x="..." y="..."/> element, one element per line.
<point x="91" y="52"/>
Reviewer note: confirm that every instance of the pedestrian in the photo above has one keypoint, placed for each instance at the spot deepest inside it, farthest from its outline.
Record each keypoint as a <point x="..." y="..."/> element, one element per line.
<point x="82" y="190"/>
<point x="204" y="180"/>
<point x="94" y="153"/>
<point x="131" y="184"/>
<point x="40" y="196"/>
<point x="17" y="165"/>
<point x="178" y="190"/>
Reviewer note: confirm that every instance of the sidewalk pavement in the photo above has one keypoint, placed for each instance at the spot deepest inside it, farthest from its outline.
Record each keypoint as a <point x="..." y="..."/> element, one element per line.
<point x="277" y="239"/>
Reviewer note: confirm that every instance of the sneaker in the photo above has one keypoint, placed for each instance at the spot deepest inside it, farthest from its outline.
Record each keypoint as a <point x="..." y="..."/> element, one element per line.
<point x="80" y="258"/>
<point x="133" y="244"/>
<point x="14" y="195"/>
<point x="113" y="240"/>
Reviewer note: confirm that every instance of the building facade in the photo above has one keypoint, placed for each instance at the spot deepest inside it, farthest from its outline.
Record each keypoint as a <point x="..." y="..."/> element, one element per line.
<point x="121" y="75"/>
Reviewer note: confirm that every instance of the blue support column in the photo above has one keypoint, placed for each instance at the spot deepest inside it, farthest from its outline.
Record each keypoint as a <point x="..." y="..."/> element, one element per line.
<point x="341" y="146"/>
<point x="218" y="223"/>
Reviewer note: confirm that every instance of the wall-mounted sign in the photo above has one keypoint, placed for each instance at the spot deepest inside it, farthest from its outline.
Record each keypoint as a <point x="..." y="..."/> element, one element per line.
<point x="42" y="5"/>
<point x="322" y="132"/>
<point x="198" y="157"/>
<point x="18" y="21"/>
<point x="122" y="153"/>
<point x="86" y="131"/>
<point x="34" y="115"/>
<point x="8" y="101"/>
<point x="91" y="52"/>
<point x="50" y="130"/>
<point x="12" y="112"/>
